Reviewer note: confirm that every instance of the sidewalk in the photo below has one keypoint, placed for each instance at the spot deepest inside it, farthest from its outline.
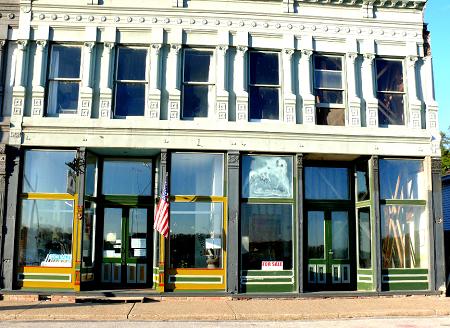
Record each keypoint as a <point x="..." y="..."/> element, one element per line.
<point x="205" y="309"/>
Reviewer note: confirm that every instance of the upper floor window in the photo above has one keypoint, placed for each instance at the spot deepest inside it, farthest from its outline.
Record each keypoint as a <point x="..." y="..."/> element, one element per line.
<point x="264" y="86"/>
<point x="198" y="83"/>
<point x="63" y="79"/>
<point x="130" y="82"/>
<point x="390" y="92"/>
<point x="328" y="89"/>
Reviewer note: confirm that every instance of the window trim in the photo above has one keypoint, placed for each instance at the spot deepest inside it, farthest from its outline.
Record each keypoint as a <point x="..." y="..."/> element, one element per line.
<point x="50" y="79"/>
<point x="343" y="80"/>
<point x="211" y="84"/>
<point x="117" y="81"/>
<point x="272" y="86"/>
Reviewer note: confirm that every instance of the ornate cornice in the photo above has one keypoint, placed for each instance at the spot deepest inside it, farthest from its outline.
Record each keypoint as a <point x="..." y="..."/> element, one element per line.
<point x="401" y="4"/>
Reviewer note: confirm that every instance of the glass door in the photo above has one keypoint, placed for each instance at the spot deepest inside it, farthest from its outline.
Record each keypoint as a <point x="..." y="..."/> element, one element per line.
<point x="328" y="250"/>
<point x="125" y="241"/>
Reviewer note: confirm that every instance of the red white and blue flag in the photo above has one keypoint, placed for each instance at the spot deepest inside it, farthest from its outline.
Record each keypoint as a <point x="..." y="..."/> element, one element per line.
<point x="161" y="221"/>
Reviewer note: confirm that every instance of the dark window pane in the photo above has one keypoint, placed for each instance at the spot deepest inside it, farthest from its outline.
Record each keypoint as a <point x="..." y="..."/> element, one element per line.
<point x="362" y="182"/>
<point x="112" y="233"/>
<point x="65" y="62"/>
<point x="121" y="177"/>
<point x="195" y="101"/>
<point x="62" y="96"/>
<point x="266" y="176"/>
<point x="316" y="234"/>
<point x="402" y="179"/>
<point x="328" y="63"/>
<point x="328" y="79"/>
<point x="264" y="103"/>
<point x="339" y="235"/>
<point x="264" y="68"/>
<point x="46" y="233"/>
<point x="330" y="116"/>
<point x="46" y="171"/>
<point x="266" y="235"/>
<point x="131" y="64"/>
<point x="197" y="65"/>
<point x="390" y="109"/>
<point x="364" y="237"/>
<point x="389" y="75"/>
<point x="196" y="235"/>
<point x="88" y="251"/>
<point x="130" y="99"/>
<point x="326" y="183"/>
<point x="329" y="97"/>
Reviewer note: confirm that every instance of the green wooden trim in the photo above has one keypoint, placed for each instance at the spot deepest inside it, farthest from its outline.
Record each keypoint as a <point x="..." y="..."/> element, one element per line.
<point x="120" y="200"/>
<point x="249" y="281"/>
<point x="404" y="271"/>
<point x="365" y="203"/>
<point x="268" y="288"/>
<point x="365" y="271"/>
<point x="362" y="278"/>
<point x="387" y="279"/>
<point x="405" y="286"/>
<point x="403" y="202"/>
<point x="257" y="273"/>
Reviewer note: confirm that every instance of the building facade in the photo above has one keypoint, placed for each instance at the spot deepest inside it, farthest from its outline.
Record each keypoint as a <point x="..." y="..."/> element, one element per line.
<point x="298" y="140"/>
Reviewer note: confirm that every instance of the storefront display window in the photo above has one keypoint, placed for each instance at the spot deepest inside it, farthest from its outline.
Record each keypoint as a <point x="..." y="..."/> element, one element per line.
<point x="46" y="233"/>
<point x="364" y="235"/>
<point x="127" y="177"/>
<point x="401" y="179"/>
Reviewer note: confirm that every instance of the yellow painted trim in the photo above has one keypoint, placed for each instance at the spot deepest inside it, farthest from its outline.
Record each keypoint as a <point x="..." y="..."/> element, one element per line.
<point x="43" y="270"/>
<point x="48" y="196"/>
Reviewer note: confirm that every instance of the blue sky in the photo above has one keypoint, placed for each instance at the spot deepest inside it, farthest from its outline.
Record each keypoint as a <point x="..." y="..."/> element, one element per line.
<point x="437" y="15"/>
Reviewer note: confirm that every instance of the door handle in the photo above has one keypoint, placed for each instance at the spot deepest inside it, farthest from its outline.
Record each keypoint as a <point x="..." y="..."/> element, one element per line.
<point x="330" y="252"/>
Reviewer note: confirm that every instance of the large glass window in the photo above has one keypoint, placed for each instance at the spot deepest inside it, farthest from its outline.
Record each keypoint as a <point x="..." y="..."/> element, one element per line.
<point x="46" y="233"/>
<point x="63" y="79"/>
<point x="364" y="238"/>
<point x="329" y="91"/>
<point x="198" y="83"/>
<point x="127" y="177"/>
<point x="264" y="85"/>
<point x="46" y="171"/>
<point x="404" y="225"/>
<point x="327" y="183"/>
<point x="197" y="174"/>
<point x="130" y="83"/>
<point x="88" y="245"/>
<point x="390" y="92"/>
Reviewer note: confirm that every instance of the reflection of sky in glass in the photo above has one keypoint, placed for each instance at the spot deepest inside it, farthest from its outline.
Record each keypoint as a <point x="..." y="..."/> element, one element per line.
<point x="316" y="234"/>
<point x="326" y="183"/>
<point x="339" y="232"/>
<point x="401" y="179"/>
<point x="127" y="177"/>
<point x="46" y="171"/>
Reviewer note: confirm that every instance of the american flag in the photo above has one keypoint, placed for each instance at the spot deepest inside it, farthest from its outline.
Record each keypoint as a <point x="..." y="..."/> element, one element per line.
<point x="161" y="221"/>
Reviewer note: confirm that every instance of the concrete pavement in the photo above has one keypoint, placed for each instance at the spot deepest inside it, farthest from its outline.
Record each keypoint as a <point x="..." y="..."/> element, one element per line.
<point x="225" y="309"/>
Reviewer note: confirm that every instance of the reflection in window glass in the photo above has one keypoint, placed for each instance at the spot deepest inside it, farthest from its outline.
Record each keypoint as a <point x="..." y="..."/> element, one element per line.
<point x="402" y="179"/>
<point x="326" y="183"/>
<point x="364" y="236"/>
<point x="198" y="84"/>
<point x="112" y="233"/>
<point x="64" y="79"/>
<point x="266" y="235"/>
<point x="46" y="171"/>
<point x="264" y="88"/>
<point x="130" y="82"/>
<point x="46" y="233"/>
<point x="339" y="232"/>
<point x="390" y="92"/>
<point x="88" y="253"/>
<point x="196" y="174"/>
<point x="90" y="175"/>
<point x="267" y="177"/>
<point x="330" y="116"/>
<point x="362" y="182"/>
<point x="404" y="230"/>
<point x="137" y="232"/>
<point x="122" y="177"/>
<point x="316" y="235"/>
<point x="196" y="235"/>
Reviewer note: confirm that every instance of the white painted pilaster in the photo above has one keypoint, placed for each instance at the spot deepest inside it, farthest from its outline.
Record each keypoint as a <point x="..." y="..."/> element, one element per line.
<point x="289" y="96"/>
<point x="38" y="90"/>
<point x="309" y="112"/>
<point x="415" y="106"/>
<point x="105" y="81"/>
<point x="368" y="78"/>
<point x="15" y="133"/>
<point x="430" y="101"/>
<point x="2" y="46"/>
<point x="221" y="93"/>
<point x="354" y="103"/>
<point x="154" y="94"/>
<point x="239" y="78"/>
<point x="173" y="82"/>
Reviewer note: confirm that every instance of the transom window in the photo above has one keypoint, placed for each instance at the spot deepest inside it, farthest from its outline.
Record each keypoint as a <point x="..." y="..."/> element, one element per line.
<point x="264" y="86"/>
<point x="130" y="82"/>
<point x="63" y="79"/>
<point x="328" y="90"/>
<point x="198" y="83"/>
<point x="390" y="92"/>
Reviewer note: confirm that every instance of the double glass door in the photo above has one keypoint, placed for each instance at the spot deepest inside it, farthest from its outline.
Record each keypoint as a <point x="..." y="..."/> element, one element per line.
<point x="126" y="246"/>
<point x="329" y="250"/>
